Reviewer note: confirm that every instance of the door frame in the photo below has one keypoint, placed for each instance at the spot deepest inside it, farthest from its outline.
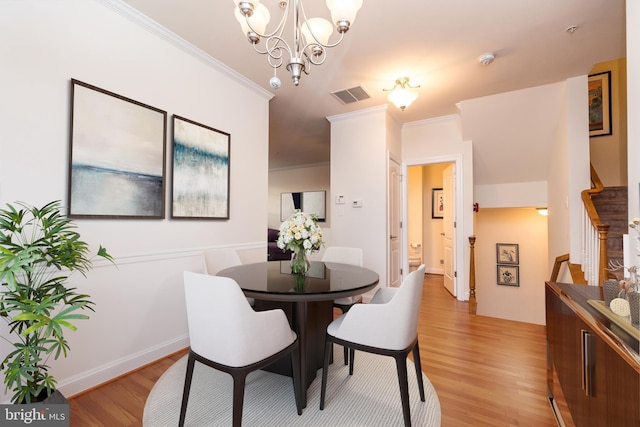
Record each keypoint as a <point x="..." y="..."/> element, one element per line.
<point x="462" y="291"/>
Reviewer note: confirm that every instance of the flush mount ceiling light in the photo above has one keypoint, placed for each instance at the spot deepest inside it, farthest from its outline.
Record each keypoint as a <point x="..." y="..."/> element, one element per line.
<point x="310" y="36"/>
<point x="402" y="94"/>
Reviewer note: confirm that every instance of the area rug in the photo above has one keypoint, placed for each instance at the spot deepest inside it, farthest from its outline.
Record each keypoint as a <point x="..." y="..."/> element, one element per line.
<point x="370" y="397"/>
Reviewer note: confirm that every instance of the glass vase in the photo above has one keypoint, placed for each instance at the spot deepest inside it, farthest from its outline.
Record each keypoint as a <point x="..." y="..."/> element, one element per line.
<point x="299" y="282"/>
<point x="299" y="262"/>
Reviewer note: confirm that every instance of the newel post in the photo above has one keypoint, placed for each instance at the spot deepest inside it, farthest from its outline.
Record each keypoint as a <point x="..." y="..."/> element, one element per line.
<point x="473" y="304"/>
<point x="603" y="261"/>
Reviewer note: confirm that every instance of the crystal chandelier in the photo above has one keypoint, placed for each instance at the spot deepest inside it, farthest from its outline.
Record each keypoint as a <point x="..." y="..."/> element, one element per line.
<point x="310" y="36"/>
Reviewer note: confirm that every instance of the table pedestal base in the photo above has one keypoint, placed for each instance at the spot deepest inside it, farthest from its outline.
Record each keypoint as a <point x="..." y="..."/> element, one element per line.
<point x="310" y="321"/>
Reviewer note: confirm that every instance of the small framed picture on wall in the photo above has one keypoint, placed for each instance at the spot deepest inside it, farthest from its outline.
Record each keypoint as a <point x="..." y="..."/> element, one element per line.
<point x="507" y="253"/>
<point x="437" y="203"/>
<point x="508" y="275"/>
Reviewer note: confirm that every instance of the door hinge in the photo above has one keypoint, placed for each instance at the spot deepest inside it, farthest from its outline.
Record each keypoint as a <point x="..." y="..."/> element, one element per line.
<point x="455" y="274"/>
<point x="454" y="224"/>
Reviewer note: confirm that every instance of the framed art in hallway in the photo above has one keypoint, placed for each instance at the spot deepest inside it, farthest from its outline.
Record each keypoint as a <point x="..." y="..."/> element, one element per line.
<point x="600" y="104"/>
<point x="200" y="171"/>
<point x="437" y="203"/>
<point x="117" y="156"/>
<point x="507" y="253"/>
<point x="508" y="275"/>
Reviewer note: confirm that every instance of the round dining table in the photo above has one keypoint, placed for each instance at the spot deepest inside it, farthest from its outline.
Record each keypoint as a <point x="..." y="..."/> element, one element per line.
<point x="308" y="304"/>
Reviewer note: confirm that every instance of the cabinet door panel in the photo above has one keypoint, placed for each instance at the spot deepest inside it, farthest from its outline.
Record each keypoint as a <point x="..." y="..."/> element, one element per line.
<point x="564" y="340"/>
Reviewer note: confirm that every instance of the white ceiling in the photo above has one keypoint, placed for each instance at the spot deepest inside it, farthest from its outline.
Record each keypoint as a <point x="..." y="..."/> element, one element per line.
<point x="436" y="43"/>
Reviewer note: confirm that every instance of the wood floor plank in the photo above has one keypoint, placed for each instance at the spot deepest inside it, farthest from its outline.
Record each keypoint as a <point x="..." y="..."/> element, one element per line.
<point x="486" y="372"/>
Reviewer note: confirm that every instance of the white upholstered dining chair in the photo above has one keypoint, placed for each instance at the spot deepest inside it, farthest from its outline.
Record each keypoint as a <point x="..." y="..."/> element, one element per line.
<point x="220" y="258"/>
<point x="228" y="335"/>
<point x="344" y="255"/>
<point x="388" y="327"/>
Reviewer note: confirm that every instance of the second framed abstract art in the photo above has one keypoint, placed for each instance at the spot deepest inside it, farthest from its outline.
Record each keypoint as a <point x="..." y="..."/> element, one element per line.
<point x="201" y="171"/>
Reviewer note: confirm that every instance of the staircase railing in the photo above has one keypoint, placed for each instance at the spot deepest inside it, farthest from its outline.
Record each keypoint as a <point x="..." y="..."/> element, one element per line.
<point x="594" y="236"/>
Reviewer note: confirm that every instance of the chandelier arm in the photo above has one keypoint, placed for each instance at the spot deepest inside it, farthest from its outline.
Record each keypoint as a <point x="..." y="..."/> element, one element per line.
<point x="274" y="47"/>
<point x="315" y="59"/>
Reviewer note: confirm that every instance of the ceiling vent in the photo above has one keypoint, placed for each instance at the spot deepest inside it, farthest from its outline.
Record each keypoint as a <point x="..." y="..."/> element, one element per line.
<point x="351" y="95"/>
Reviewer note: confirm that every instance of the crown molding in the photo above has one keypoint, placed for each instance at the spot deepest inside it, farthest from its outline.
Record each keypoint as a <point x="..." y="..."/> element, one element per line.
<point x="153" y="27"/>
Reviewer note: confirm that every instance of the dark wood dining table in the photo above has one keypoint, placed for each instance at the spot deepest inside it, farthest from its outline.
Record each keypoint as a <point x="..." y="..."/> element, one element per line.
<point x="309" y="307"/>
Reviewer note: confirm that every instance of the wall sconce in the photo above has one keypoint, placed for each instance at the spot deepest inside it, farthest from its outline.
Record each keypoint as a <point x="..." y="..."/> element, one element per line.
<point x="402" y="95"/>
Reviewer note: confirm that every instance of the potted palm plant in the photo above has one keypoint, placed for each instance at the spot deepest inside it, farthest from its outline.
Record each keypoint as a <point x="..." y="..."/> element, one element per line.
<point x="39" y="249"/>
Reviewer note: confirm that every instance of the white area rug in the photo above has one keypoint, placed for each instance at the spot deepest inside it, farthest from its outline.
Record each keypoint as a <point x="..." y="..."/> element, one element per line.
<point x="370" y="397"/>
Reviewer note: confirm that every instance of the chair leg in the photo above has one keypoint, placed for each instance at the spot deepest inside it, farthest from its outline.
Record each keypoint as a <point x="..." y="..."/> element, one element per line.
<point x="328" y="348"/>
<point x="238" y="397"/>
<point x="418" y="365"/>
<point x="187" y="387"/>
<point x="401" y="365"/>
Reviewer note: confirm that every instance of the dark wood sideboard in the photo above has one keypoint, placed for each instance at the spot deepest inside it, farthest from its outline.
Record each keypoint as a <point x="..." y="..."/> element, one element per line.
<point x="596" y="362"/>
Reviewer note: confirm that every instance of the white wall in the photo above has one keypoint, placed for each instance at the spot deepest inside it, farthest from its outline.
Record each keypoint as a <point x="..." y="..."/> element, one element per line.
<point x="528" y="229"/>
<point x="358" y="171"/>
<point x="139" y="305"/>
<point x="633" y="105"/>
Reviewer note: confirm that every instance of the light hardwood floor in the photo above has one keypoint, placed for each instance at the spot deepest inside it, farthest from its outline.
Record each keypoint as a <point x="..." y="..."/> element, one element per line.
<point x="486" y="371"/>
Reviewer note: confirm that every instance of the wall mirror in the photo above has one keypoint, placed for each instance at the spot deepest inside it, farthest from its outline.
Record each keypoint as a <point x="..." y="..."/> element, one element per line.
<point x="312" y="202"/>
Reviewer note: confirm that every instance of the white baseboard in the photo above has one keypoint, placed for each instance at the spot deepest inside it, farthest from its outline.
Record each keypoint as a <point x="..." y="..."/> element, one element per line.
<point x="434" y="270"/>
<point x="108" y="372"/>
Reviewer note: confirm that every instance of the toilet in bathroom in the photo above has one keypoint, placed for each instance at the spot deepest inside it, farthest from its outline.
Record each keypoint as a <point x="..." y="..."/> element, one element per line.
<point x="415" y="256"/>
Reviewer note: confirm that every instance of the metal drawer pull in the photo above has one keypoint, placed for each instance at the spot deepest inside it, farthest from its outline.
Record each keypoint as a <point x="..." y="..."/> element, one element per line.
<point x="588" y="362"/>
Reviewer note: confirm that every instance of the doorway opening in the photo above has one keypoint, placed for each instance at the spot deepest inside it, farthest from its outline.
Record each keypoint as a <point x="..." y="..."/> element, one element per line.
<point x="430" y="218"/>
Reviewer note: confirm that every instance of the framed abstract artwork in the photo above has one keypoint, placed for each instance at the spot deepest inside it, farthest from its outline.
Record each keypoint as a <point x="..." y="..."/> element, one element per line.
<point x="600" y="104"/>
<point x="201" y="171"/>
<point x="116" y="156"/>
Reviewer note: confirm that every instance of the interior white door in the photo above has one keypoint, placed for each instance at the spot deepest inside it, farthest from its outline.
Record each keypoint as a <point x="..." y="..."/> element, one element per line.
<point x="449" y="227"/>
<point x="394" y="226"/>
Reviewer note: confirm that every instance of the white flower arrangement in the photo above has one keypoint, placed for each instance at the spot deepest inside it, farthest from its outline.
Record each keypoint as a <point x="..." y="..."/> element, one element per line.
<point x="300" y="231"/>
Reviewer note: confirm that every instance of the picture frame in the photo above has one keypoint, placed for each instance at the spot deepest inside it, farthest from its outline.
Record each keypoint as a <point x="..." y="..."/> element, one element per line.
<point x="507" y="253"/>
<point x="116" y="157"/>
<point x="437" y="203"/>
<point x="311" y="202"/>
<point x="600" y="104"/>
<point x="200" y="171"/>
<point x="508" y="275"/>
